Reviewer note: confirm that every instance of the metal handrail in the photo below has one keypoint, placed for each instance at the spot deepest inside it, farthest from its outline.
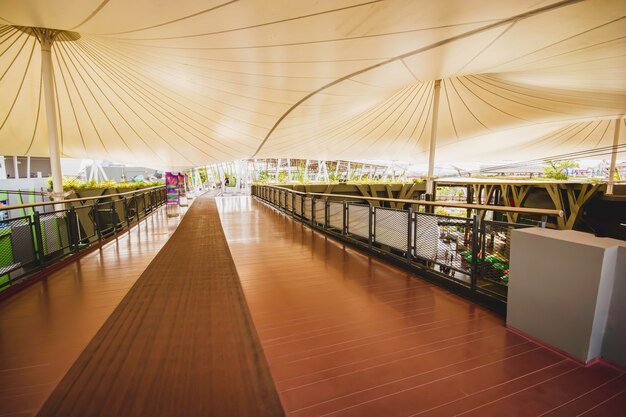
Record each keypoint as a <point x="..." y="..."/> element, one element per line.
<point x="505" y="209"/>
<point x="74" y="200"/>
<point x="25" y="192"/>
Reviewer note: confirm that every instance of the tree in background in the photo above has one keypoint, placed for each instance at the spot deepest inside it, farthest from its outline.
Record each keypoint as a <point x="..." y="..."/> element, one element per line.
<point x="557" y="170"/>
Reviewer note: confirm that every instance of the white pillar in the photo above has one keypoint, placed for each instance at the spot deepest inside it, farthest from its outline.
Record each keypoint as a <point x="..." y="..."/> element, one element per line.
<point x="288" y="169"/>
<point x="306" y="170"/>
<point x="616" y="134"/>
<point x="433" y="140"/>
<point x="16" y="169"/>
<point x="46" y="38"/>
<point x="28" y="167"/>
<point x="3" y="169"/>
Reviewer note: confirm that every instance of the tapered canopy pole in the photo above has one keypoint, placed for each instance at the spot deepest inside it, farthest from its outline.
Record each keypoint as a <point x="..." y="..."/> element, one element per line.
<point x="616" y="135"/>
<point x="46" y="39"/>
<point x="430" y="180"/>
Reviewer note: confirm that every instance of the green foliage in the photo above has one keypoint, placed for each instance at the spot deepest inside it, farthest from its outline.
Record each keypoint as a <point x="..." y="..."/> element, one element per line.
<point x="555" y="170"/>
<point x="73" y="183"/>
<point x="283" y="177"/>
<point x="203" y="175"/>
<point x="440" y="211"/>
<point x="263" y="176"/>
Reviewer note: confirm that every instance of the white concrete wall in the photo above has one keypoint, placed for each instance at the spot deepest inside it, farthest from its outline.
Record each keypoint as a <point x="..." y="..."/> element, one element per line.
<point x="614" y="341"/>
<point x="562" y="284"/>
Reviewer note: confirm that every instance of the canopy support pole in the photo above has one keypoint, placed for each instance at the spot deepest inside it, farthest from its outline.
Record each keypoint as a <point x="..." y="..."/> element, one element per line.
<point x="609" y="187"/>
<point x="430" y="179"/>
<point x="16" y="169"/>
<point x="46" y="38"/>
<point x="288" y="169"/>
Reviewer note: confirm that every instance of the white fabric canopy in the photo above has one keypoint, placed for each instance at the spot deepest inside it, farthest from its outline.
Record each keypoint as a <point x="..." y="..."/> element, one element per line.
<point x="189" y="82"/>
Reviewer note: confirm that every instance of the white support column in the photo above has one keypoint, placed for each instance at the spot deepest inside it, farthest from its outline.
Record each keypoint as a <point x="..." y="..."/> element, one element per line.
<point x="3" y="168"/>
<point x="616" y="137"/>
<point x="277" y="169"/>
<point x="28" y="167"/>
<point x="101" y="169"/>
<point x="46" y="38"/>
<point x="16" y="169"/>
<point x="430" y="181"/>
<point x="289" y="170"/>
<point x="306" y="170"/>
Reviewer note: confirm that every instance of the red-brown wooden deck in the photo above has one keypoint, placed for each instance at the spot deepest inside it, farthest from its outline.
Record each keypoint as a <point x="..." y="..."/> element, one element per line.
<point x="344" y="334"/>
<point x="347" y="335"/>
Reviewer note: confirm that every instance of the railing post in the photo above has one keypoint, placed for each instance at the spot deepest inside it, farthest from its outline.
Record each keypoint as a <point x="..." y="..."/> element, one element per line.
<point x="370" y="233"/>
<point x="96" y="218"/>
<point x="475" y="250"/>
<point x="409" y="235"/>
<point x="73" y="229"/>
<point x="113" y="225"/>
<point x="293" y="205"/>
<point x="40" y="252"/>
<point x="344" y="231"/>
<point x="136" y="207"/>
<point x="313" y="211"/>
<point x="126" y="216"/>
<point x="326" y="214"/>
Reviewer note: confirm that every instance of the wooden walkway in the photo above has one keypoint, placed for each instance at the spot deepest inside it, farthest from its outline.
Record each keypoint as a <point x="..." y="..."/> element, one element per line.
<point x="347" y="335"/>
<point x="181" y="343"/>
<point x="344" y="334"/>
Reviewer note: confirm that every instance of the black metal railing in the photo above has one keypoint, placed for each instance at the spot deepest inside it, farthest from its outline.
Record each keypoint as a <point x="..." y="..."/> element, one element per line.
<point x="55" y="230"/>
<point x="465" y="252"/>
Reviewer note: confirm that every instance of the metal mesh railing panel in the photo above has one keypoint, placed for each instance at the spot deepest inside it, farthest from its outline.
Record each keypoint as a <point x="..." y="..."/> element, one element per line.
<point x="391" y="228"/>
<point x="335" y="215"/>
<point x="298" y="205"/>
<point x="358" y="220"/>
<point x="494" y="256"/>
<point x="320" y="212"/>
<point x="445" y="241"/>
<point x="54" y="230"/>
<point x="17" y="249"/>
<point x="289" y="204"/>
<point x="308" y="203"/>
